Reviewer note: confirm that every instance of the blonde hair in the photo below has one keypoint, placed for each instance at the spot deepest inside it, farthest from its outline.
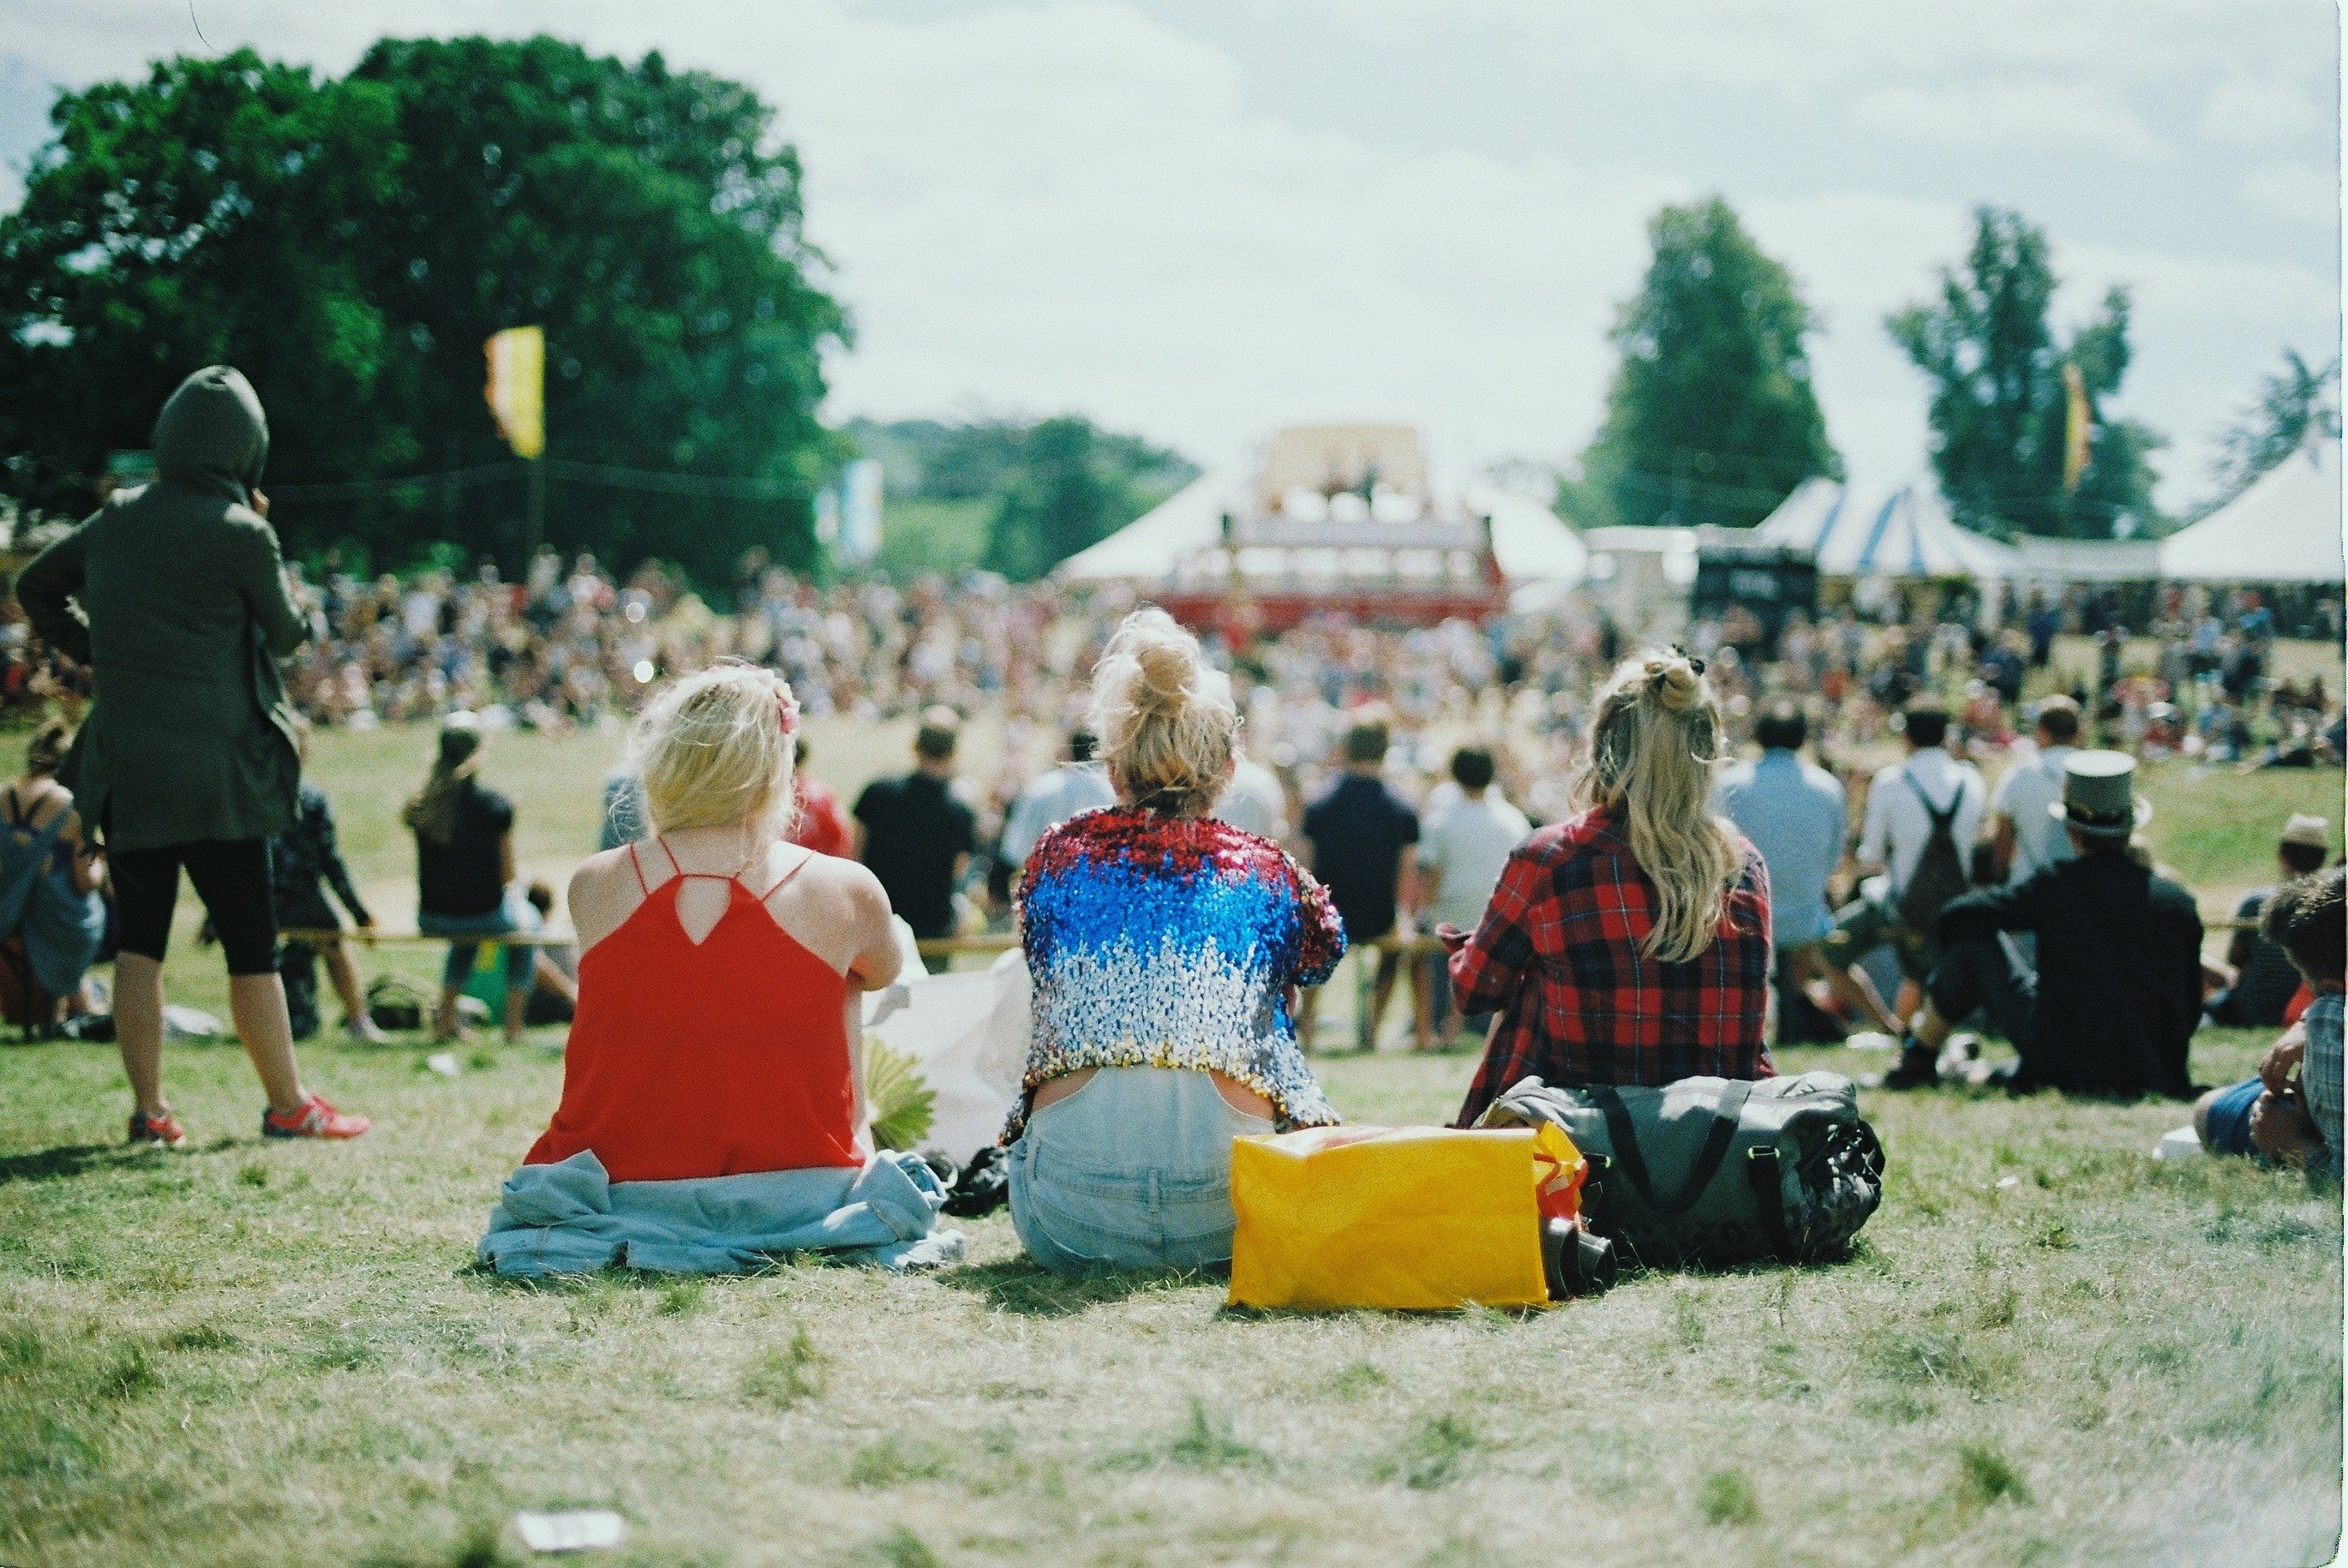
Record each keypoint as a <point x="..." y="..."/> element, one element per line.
<point x="712" y="751"/>
<point x="1165" y="716"/>
<point x="1653" y="746"/>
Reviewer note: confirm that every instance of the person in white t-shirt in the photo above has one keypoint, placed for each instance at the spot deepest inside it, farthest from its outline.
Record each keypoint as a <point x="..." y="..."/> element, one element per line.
<point x="2023" y="836"/>
<point x="1461" y="853"/>
<point x="1901" y="803"/>
<point x="1254" y="801"/>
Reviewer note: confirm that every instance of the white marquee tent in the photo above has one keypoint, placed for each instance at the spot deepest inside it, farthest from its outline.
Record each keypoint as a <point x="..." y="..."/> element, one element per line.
<point x="1908" y="533"/>
<point x="2284" y="529"/>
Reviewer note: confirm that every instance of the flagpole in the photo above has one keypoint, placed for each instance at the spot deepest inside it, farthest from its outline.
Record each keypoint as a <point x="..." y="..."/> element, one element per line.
<point x="534" y="526"/>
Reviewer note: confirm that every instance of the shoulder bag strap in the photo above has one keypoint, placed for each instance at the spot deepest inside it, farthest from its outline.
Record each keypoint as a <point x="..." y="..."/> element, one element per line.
<point x="1623" y="1134"/>
<point x="1763" y="1170"/>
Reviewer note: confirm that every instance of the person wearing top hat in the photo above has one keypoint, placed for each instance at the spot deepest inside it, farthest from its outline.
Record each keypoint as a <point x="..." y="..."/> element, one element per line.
<point x="2111" y="1006"/>
<point x="2264" y="978"/>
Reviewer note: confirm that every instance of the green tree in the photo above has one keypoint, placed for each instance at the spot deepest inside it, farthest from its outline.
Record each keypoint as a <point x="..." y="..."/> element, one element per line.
<point x="2296" y="402"/>
<point x="1712" y="416"/>
<point x="1062" y="485"/>
<point x="351" y="245"/>
<point x="213" y="211"/>
<point x="2000" y="410"/>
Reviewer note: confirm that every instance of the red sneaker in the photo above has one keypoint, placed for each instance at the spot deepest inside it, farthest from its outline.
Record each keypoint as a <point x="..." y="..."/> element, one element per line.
<point x="162" y="1128"/>
<point x="313" y="1118"/>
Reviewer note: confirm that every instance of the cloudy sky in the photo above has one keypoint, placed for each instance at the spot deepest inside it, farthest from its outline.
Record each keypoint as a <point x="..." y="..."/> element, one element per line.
<point x="1201" y="220"/>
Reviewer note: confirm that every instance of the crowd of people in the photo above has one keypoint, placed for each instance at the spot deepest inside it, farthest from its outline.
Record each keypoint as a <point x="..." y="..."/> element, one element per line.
<point x="1609" y="903"/>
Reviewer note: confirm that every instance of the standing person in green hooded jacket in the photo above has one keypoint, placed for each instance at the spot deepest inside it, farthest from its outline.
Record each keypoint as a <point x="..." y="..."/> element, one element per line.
<point x="174" y="595"/>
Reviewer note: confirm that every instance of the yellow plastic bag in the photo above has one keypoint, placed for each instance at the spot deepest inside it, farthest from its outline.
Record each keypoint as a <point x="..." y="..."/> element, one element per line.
<point x="1409" y="1218"/>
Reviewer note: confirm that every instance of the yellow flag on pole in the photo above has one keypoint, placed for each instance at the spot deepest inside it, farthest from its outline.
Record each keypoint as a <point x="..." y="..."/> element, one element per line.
<point x="2078" y="425"/>
<point x="517" y="389"/>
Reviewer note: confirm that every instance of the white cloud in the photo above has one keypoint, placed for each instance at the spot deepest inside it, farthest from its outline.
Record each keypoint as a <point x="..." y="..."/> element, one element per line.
<point x="2032" y="115"/>
<point x="2261" y="110"/>
<point x="2306" y="192"/>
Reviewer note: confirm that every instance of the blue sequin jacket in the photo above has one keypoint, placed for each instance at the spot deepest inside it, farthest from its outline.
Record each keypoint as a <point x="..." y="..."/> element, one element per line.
<point x="1171" y="942"/>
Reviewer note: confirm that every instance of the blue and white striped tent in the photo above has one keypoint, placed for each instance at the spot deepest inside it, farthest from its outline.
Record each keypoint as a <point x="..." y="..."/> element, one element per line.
<point x="1908" y="533"/>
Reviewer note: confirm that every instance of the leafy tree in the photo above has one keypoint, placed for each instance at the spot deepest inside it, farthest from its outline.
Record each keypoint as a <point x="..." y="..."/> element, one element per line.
<point x="351" y="244"/>
<point x="1069" y="486"/>
<point x="213" y="211"/>
<point x="2294" y="403"/>
<point x="2000" y="408"/>
<point x="1712" y="416"/>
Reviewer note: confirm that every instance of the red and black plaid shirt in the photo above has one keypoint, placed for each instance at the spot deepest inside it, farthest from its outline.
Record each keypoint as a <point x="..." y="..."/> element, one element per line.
<point x="1558" y="957"/>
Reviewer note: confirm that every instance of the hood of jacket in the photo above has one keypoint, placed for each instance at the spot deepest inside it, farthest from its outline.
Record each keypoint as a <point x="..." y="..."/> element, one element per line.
<point x="212" y="434"/>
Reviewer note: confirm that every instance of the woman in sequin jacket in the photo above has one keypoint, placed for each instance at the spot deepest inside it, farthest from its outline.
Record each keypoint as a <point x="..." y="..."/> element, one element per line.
<point x="1165" y="949"/>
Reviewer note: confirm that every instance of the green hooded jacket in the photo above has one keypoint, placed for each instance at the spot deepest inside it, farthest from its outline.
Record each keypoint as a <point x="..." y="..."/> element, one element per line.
<point x="174" y="595"/>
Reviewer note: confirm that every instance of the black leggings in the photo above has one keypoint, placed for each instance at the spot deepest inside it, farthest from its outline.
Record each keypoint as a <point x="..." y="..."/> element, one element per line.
<point x="231" y="877"/>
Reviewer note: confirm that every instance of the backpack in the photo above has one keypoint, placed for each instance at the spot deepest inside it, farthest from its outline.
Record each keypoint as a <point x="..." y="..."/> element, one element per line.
<point x="1716" y="1172"/>
<point x="1940" y="873"/>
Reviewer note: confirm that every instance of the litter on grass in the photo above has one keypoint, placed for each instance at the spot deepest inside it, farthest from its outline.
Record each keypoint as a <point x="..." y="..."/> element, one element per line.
<point x="444" y="1063"/>
<point x="588" y="1529"/>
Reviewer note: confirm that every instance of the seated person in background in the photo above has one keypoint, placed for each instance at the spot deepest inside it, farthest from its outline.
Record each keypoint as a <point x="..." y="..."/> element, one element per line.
<point x="304" y="861"/>
<point x="1921" y="814"/>
<point x="2112" y="1004"/>
<point x="2296" y="1121"/>
<point x="2265" y="978"/>
<point x="820" y="821"/>
<point x="465" y="873"/>
<point x="719" y="1033"/>
<point x="1167" y="949"/>
<point x="1630" y="943"/>
<point x="45" y="854"/>
<point x="1461" y="853"/>
<point x="1794" y="813"/>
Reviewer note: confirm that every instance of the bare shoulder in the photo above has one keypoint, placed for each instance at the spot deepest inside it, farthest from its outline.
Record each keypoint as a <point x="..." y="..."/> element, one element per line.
<point x="603" y="892"/>
<point x="850" y="883"/>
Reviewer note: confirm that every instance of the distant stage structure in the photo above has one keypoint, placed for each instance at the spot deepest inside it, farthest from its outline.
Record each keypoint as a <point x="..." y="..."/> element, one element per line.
<point x="1337" y="520"/>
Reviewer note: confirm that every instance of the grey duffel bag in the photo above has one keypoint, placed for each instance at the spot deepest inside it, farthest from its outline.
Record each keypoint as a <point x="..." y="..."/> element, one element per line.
<point x="1715" y="1171"/>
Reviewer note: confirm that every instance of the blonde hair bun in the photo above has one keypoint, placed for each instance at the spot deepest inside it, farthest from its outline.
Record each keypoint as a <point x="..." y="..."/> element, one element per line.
<point x="1675" y="680"/>
<point x="1165" y="716"/>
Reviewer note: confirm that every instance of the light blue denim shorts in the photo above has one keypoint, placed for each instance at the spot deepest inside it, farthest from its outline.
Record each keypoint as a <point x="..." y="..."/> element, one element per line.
<point x="1132" y="1170"/>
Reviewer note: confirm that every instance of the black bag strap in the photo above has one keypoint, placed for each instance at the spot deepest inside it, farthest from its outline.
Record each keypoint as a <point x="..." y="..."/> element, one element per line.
<point x="1942" y="822"/>
<point x="1762" y="1169"/>
<point x="1623" y="1134"/>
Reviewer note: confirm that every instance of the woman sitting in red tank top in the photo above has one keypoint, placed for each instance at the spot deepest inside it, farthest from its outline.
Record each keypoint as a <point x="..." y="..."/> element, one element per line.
<point x="721" y="968"/>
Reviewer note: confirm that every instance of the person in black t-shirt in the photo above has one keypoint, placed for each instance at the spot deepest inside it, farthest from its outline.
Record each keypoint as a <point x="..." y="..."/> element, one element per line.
<point x="1362" y="833"/>
<point x="915" y="834"/>
<point x="465" y="873"/>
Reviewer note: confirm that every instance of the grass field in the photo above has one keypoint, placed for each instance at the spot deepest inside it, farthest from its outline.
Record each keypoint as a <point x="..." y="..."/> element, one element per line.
<point x="2048" y="1347"/>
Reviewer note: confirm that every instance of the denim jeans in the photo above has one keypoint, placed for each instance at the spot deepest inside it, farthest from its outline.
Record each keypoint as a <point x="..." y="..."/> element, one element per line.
<point x="1132" y="1170"/>
<point x="516" y="914"/>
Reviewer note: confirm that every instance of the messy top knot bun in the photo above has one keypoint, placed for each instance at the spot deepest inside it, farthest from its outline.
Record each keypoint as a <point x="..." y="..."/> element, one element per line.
<point x="1675" y="679"/>
<point x="1654" y="744"/>
<point x="1165" y="716"/>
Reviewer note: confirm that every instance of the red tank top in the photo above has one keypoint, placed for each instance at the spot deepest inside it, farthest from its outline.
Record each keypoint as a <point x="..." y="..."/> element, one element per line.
<point x="708" y="1058"/>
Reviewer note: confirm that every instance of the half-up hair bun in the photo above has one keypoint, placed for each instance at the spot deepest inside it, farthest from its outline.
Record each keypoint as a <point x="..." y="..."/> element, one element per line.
<point x="1675" y="679"/>
<point x="1165" y="716"/>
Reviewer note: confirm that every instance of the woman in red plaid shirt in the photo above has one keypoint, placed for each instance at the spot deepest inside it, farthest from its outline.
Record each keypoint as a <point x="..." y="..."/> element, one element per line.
<point x="1628" y="944"/>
